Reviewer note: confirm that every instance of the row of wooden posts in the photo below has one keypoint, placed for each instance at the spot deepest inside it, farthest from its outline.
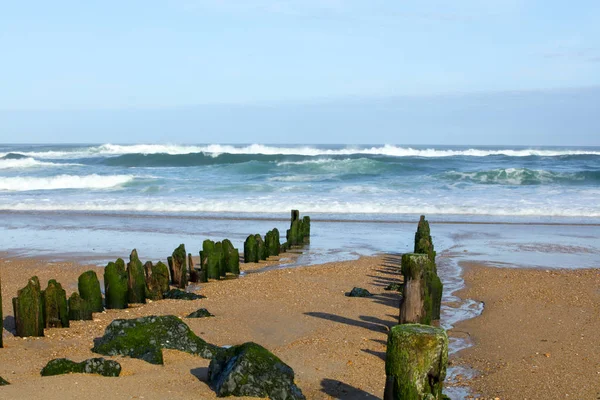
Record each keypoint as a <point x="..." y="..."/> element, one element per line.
<point x="134" y="283"/>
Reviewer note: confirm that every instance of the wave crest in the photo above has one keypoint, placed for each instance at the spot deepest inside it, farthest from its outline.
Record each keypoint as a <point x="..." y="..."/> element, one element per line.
<point x="94" y="181"/>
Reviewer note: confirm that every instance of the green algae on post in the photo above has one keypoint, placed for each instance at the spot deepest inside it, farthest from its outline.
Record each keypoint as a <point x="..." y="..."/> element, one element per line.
<point x="115" y="285"/>
<point x="179" y="269"/>
<point x="79" y="309"/>
<point x="28" y="309"/>
<point x="89" y="290"/>
<point x="56" y="313"/>
<point x="136" y="280"/>
<point x="157" y="280"/>
<point x="251" y="249"/>
<point x="422" y="290"/>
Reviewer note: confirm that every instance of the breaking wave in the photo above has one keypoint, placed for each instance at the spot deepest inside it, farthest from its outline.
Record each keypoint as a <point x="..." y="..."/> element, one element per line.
<point x="94" y="181"/>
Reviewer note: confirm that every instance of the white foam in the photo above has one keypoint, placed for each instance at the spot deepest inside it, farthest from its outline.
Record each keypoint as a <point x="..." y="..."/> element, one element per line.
<point x="93" y="181"/>
<point x="27" y="163"/>
<point x="217" y="149"/>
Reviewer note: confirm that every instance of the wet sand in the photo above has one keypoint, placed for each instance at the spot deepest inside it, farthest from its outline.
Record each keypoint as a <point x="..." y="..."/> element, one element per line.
<point x="538" y="336"/>
<point x="335" y="344"/>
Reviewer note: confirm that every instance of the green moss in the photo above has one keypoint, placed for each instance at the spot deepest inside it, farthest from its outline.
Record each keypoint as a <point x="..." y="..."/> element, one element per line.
<point x="419" y="266"/>
<point x="28" y="309"/>
<point x="262" y="248"/>
<point x="56" y="313"/>
<point x="89" y="290"/>
<point x="416" y="362"/>
<point x="306" y="229"/>
<point x="179" y="273"/>
<point x="144" y="338"/>
<point x="423" y="241"/>
<point x="157" y="280"/>
<point x="115" y="285"/>
<point x="99" y="366"/>
<point x="178" y="294"/>
<point x="272" y="242"/>
<point x="136" y="280"/>
<point x="79" y="309"/>
<point x="251" y="250"/>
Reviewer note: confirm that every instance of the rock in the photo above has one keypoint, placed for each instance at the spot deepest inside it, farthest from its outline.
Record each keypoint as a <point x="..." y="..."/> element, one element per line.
<point x="262" y="248"/>
<point x="28" y="309"/>
<point x="99" y="366"/>
<point x="423" y="241"/>
<point x="200" y="313"/>
<point x="56" y="313"/>
<point x="3" y="382"/>
<point x="79" y="309"/>
<point x="251" y="370"/>
<point x="359" y="292"/>
<point x="251" y="250"/>
<point x="422" y="290"/>
<point x="178" y="267"/>
<point x="416" y="361"/>
<point x="145" y="337"/>
<point x="394" y="286"/>
<point x="115" y="285"/>
<point x="89" y="290"/>
<point x="157" y="280"/>
<point x="136" y="280"/>
<point x="178" y="294"/>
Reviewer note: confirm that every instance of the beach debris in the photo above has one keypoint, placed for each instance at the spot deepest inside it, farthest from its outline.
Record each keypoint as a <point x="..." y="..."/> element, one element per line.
<point x="89" y="290"/>
<point x="100" y="366"/>
<point x="1" y="321"/>
<point x="145" y="337"/>
<point x="116" y="284"/>
<point x="299" y="232"/>
<point x="178" y="294"/>
<point x="56" y="314"/>
<point x="136" y="280"/>
<point x="3" y="382"/>
<point x="193" y="271"/>
<point x="251" y="254"/>
<point x="79" y="309"/>
<point x="251" y="370"/>
<point x="28" y="309"/>
<point x="272" y="242"/>
<point x="423" y="241"/>
<point x="416" y="362"/>
<point x="421" y="292"/>
<point x="200" y="313"/>
<point x="157" y="280"/>
<point x="396" y="286"/>
<point x="359" y="292"/>
<point x="178" y="268"/>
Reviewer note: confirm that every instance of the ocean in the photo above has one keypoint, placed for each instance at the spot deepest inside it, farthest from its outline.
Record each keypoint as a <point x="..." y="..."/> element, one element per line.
<point x="102" y="200"/>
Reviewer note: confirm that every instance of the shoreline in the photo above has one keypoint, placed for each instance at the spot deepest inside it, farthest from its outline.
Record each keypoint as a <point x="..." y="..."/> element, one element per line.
<point x="537" y="335"/>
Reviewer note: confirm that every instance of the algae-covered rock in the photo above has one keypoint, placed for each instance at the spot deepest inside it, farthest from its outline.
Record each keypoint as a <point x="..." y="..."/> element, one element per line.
<point x="56" y="313"/>
<point x="89" y="290"/>
<point x="28" y="309"/>
<point x="178" y="294"/>
<point x="251" y="250"/>
<point x="251" y="370"/>
<point x="359" y="292"/>
<point x="136" y="280"/>
<point x="157" y="280"/>
<point x="3" y="382"/>
<point x="79" y="309"/>
<point x="115" y="285"/>
<point x="200" y="313"/>
<point x="416" y="362"/>
<point x="179" y="267"/>
<point x="98" y="366"/>
<point x="422" y="290"/>
<point x="145" y="337"/>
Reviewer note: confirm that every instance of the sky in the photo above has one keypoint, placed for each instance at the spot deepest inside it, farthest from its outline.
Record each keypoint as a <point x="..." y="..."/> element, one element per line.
<point x="301" y="71"/>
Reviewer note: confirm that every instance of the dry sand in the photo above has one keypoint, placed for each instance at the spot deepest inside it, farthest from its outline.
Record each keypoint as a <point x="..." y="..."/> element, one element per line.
<point x="335" y="344"/>
<point x="538" y="336"/>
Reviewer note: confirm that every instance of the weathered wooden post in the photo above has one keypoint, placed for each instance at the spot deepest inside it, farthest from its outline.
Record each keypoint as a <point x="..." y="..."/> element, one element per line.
<point x="262" y="248"/>
<point x="193" y="271"/>
<point x="157" y="280"/>
<point x="79" y="309"/>
<point x="56" y="313"/>
<point x="251" y="250"/>
<point x="272" y="242"/>
<point x="416" y="362"/>
<point x="89" y="290"/>
<point x="115" y="285"/>
<point x="28" y="309"/>
<point x="136" y="280"/>
<point x="1" y="318"/>
<point x="177" y="263"/>
<point x="422" y="290"/>
<point x="423" y="241"/>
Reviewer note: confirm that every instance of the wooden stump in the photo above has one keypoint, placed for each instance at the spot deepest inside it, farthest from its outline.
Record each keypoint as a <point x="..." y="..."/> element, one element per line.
<point x="28" y="309"/>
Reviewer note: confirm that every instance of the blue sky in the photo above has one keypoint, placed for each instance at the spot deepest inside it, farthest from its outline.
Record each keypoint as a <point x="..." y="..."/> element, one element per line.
<point x="68" y="65"/>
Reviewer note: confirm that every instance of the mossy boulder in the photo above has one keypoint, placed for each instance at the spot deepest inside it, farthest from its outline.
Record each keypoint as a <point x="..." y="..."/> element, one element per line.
<point x="98" y="366"/>
<point x="200" y="313"/>
<point x="359" y="292"/>
<point x="115" y="285"/>
<point x="178" y="294"/>
<point x="136" y="280"/>
<point x="89" y="290"/>
<point x="79" y="309"/>
<point x="251" y="370"/>
<point x="422" y="290"/>
<point x="416" y="362"/>
<point x="145" y="337"/>
<point x="157" y="280"/>
<point x="178" y="265"/>
<point x="3" y="382"/>
<point x="28" y="309"/>
<point x="251" y="254"/>
<point x="56" y="313"/>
